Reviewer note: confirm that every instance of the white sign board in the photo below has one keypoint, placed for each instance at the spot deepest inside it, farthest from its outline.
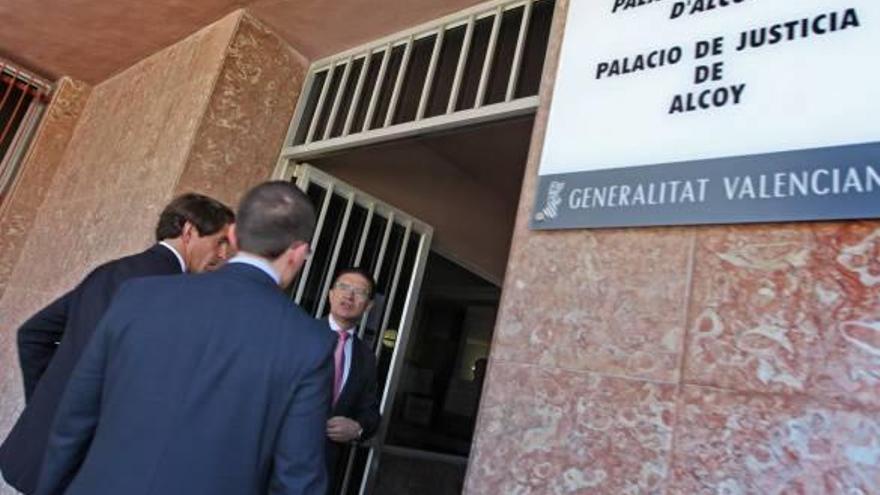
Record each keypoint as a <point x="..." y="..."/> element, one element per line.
<point x="713" y="111"/>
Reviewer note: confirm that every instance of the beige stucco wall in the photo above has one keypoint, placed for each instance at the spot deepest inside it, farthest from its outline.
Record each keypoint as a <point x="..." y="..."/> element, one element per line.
<point x="208" y="114"/>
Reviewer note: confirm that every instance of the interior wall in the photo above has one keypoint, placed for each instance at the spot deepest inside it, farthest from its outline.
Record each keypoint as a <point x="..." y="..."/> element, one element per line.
<point x="208" y="113"/>
<point x="463" y="184"/>
<point x="734" y="359"/>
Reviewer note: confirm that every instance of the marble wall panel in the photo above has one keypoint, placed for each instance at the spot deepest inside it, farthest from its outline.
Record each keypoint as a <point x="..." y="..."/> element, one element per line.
<point x="246" y="120"/>
<point x="610" y="302"/>
<point x="788" y="309"/>
<point x="560" y="432"/>
<point x="749" y="443"/>
<point x="775" y="328"/>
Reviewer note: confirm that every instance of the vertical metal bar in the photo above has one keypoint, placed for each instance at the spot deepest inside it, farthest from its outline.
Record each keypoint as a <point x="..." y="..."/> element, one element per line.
<point x="331" y="269"/>
<point x="432" y="68"/>
<point x="367" y="224"/>
<point x="296" y="121"/>
<point x="24" y="92"/>
<point x="520" y="45"/>
<point x="379" y="260"/>
<point x="382" y="247"/>
<point x="6" y="93"/>
<point x="301" y="172"/>
<point x="394" y="282"/>
<point x="376" y="87"/>
<point x="357" y="93"/>
<point x="391" y="383"/>
<point x="459" y="69"/>
<point x="338" y="98"/>
<point x="317" y="236"/>
<point x="401" y="73"/>
<point x="310" y="135"/>
<point x="17" y="147"/>
<point x="490" y="56"/>
<point x="359" y="256"/>
<point x="352" y="451"/>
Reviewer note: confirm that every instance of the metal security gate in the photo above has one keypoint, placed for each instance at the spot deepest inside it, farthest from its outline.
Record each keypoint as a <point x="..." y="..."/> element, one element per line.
<point x="23" y="99"/>
<point x="480" y="64"/>
<point x="355" y="229"/>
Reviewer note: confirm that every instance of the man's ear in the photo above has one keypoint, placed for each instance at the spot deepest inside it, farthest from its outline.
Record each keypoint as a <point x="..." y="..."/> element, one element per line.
<point x="232" y="234"/>
<point x="187" y="232"/>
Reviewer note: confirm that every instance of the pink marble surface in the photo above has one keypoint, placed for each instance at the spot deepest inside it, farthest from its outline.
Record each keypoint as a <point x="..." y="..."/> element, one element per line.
<point x="560" y="432"/>
<point x="239" y="138"/>
<point x="775" y="328"/>
<point x="605" y="301"/>
<point x="747" y="443"/>
<point x="788" y="308"/>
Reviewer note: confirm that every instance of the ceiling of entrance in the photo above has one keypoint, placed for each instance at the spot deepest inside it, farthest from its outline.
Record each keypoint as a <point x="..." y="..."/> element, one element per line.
<point x="464" y="182"/>
<point x="94" y="39"/>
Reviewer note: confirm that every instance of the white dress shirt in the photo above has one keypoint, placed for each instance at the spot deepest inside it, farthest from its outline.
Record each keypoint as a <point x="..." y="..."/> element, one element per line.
<point x="257" y="262"/>
<point x="176" y="255"/>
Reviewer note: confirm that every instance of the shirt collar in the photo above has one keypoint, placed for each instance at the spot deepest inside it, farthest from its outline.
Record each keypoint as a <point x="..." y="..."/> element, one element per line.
<point x="176" y="255"/>
<point x="257" y="262"/>
<point x="334" y="326"/>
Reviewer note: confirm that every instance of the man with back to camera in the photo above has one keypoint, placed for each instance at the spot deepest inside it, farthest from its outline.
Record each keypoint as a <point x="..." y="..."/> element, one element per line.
<point x="211" y="384"/>
<point x="191" y="236"/>
<point x="355" y="414"/>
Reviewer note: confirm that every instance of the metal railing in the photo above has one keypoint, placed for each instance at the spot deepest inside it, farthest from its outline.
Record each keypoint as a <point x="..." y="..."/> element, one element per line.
<point x="23" y="98"/>
<point x="483" y="63"/>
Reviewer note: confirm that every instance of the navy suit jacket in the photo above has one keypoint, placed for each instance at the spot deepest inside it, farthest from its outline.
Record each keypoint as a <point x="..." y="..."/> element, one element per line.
<point x="50" y="344"/>
<point x="196" y="384"/>
<point x="358" y="400"/>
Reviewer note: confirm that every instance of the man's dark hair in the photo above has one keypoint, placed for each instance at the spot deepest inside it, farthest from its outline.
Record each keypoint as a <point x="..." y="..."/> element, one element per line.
<point x="206" y="214"/>
<point x="271" y="217"/>
<point x="358" y="271"/>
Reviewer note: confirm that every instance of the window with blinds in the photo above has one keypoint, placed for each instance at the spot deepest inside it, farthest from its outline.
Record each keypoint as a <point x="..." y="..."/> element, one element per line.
<point x="23" y="98"/>
<point x="475" y="61"/>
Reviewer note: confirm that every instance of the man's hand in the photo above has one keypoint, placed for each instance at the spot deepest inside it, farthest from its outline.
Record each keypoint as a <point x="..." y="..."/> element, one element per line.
<point x="343" y="430"/>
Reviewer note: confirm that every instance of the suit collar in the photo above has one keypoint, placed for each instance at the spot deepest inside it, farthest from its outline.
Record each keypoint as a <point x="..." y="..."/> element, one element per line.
<point x="257" y="262"/>
<point x="176" y="254"/>
<point x="249" y="272"/>
<point x="166" y="255"/>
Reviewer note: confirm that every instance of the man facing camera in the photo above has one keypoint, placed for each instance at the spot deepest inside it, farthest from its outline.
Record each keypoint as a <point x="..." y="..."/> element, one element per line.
<point x="191" y="236"/>
<point x="355" y="414"/>
<point x="211" y="384"/>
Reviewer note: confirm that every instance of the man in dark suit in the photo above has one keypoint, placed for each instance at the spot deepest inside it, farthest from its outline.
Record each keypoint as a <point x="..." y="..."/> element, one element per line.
<point x="210" y="384"/>
<point x="355" y="414"/>
<point x="191" y="235"/>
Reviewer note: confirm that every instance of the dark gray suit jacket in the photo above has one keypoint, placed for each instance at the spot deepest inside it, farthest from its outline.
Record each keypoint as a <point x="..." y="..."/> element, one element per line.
<point x="50" y="344"/>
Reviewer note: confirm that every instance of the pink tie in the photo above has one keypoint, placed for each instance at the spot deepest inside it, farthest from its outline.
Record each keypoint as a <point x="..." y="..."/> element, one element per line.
<point x="339" y="360"/>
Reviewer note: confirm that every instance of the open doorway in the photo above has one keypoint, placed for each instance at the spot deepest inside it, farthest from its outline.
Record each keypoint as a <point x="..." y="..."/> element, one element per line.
<point x="464" y="183"/>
